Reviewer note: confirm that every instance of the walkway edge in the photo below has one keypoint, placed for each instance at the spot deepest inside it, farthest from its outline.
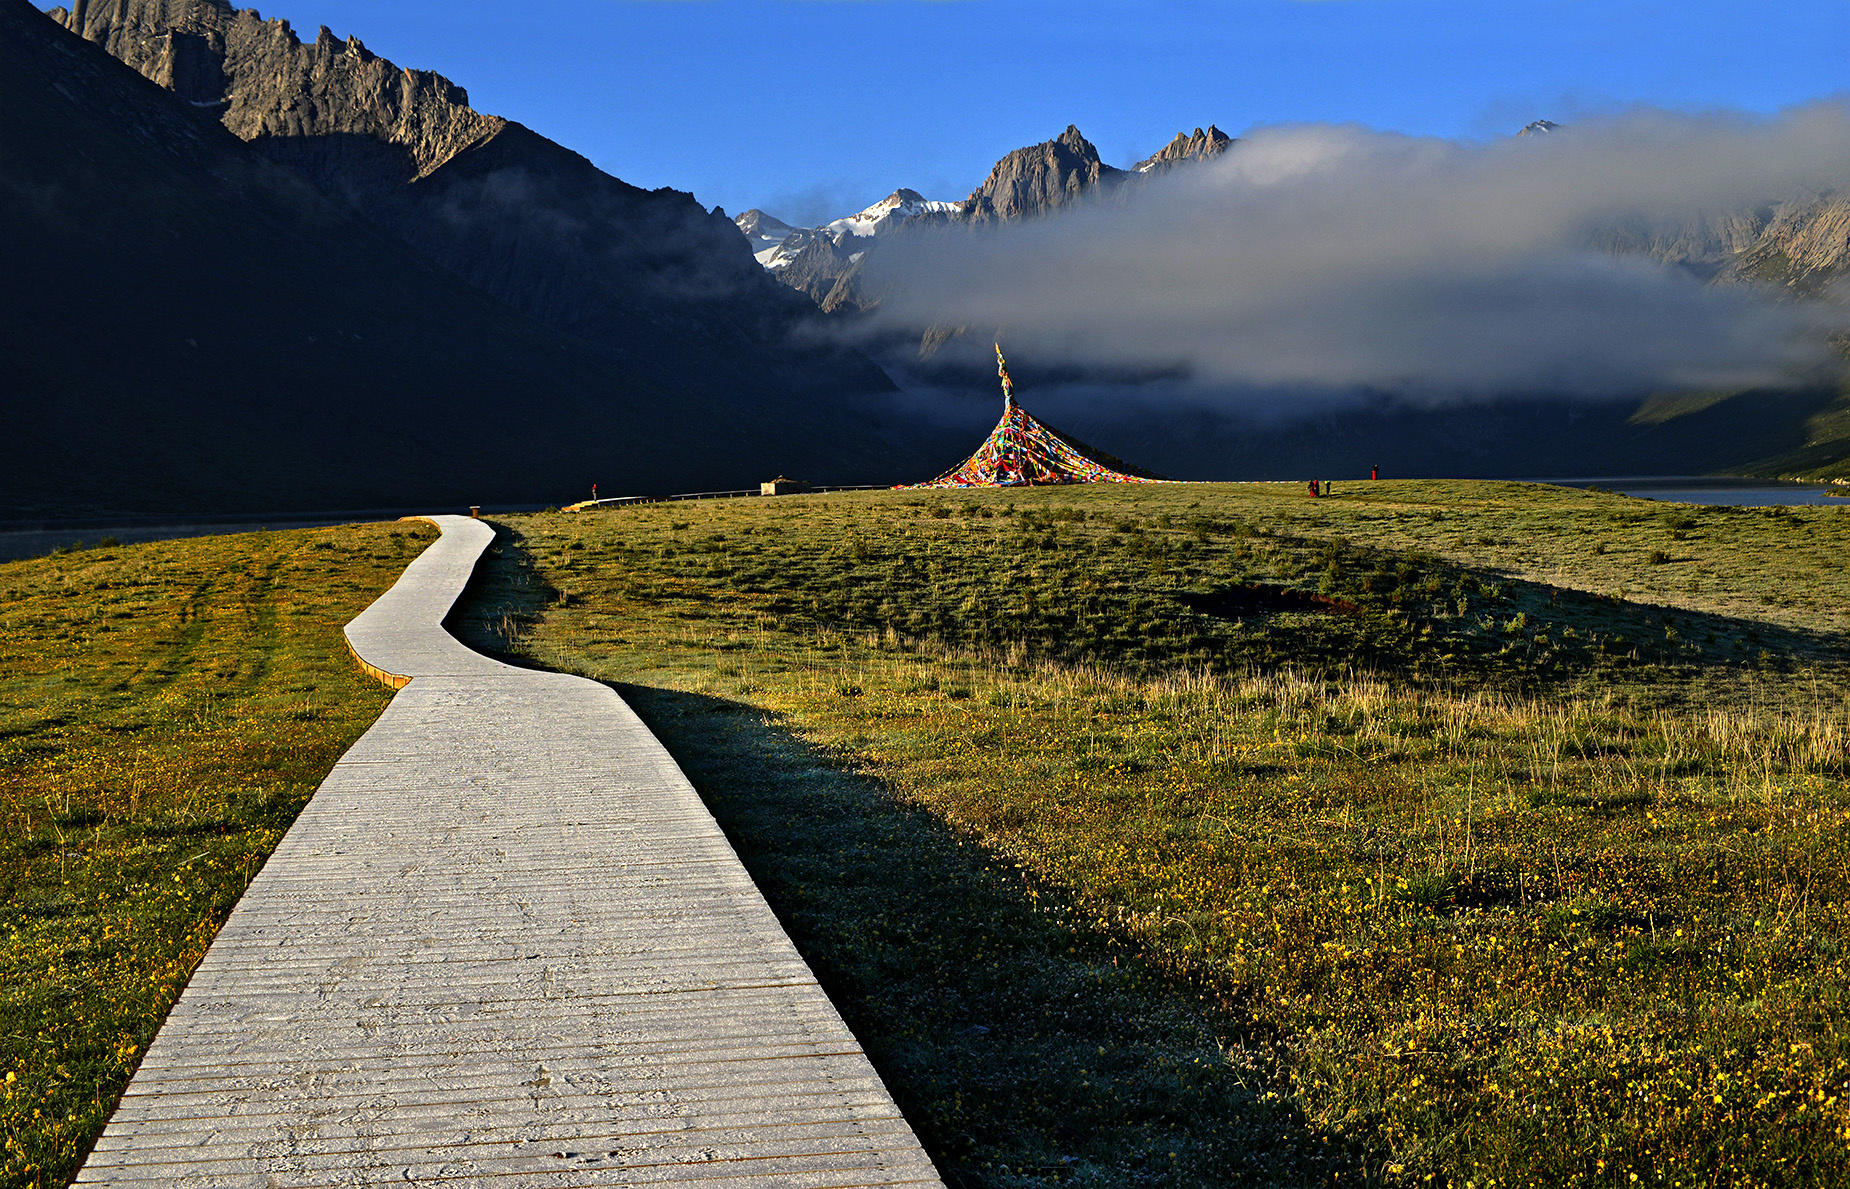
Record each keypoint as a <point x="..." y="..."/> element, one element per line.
<point x="504" y="944"/>
<point x="393" y="681"/>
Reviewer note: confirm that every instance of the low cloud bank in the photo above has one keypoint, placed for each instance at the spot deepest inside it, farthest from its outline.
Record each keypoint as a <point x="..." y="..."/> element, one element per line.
<point x="1335" y="258"/>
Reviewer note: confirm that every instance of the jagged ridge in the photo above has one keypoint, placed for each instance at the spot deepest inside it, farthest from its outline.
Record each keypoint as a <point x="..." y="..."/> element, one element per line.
<point x="826" y="262"/>
<point x="1040" y="177"/>
<point x="649" y="277"/>
<point x="1186" y="148"/>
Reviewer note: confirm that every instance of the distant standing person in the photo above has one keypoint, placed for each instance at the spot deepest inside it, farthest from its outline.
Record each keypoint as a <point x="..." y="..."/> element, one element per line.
<point x="1374" y="472"/>
<point x="1314" y="493"/>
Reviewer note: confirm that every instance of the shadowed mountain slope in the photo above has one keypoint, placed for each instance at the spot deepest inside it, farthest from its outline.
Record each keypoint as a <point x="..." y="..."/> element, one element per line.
<point x="190" y="327"/>
<point x="646" y="276"/>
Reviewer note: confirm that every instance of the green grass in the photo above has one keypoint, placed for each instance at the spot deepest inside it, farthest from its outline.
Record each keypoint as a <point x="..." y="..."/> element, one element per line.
<point x="1183" y="835"/>
<point x="165" y="711"/>
<point x="1474" y="832"/>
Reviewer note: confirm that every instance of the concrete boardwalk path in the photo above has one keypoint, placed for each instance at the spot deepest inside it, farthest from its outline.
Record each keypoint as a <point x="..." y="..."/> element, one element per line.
<point x="504" y="945"/>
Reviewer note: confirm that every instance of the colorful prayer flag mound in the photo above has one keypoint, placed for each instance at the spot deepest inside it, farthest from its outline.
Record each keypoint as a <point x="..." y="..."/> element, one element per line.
<point x="1021" y="452"/>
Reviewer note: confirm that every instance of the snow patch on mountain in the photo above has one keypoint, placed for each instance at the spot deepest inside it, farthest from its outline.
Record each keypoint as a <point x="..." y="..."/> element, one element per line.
<point x="775" y="243"/>
<point x="765" y="231"/>
<point x="901" y="206"/>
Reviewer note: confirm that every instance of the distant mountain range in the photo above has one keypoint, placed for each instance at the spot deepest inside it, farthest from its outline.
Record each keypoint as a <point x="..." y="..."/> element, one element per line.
<point x="370" y="294"/>
<point x="636" y="273"/>
<point x="818" y="261"/>
<point x="825" y="262"/>
<point x="257" y="272"/>
<point x="1801" y="242"/>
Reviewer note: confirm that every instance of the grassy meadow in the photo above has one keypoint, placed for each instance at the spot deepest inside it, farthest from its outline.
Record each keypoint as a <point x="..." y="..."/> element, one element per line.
<point x="165" y="711"/>
<point x="1433" y="833"/>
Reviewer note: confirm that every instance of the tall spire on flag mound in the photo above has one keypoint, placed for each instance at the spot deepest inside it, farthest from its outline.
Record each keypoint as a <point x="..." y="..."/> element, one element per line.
<point x="1021" y="452"/>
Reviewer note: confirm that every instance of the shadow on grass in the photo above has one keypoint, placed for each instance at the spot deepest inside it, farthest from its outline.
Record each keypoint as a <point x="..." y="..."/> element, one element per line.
<point x="1024" y="1049"/>
<point x="1414" y="616"/>
<point x="1428" y="621"/>
<point x="1674" y="635"/>
<point x="505" y="596"/>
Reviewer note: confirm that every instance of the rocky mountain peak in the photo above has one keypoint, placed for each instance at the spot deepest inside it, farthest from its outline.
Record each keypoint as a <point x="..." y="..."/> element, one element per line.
<point x="329" y="98"/>
<point x="1040" y="177"/>
<point x="764" y="231"/>
<point x="825" y="262"/>
<point x="754" y="220"/>
<point x="897" y="209"/>
<point x="327" y="43"/>
<point x="1187" y="146"/>
<point x="1538" y="128"/>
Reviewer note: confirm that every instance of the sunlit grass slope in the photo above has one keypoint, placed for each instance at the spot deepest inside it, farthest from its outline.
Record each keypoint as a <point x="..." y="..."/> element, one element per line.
<point x="1205" y="834"/>
<point x="165" y="711"/>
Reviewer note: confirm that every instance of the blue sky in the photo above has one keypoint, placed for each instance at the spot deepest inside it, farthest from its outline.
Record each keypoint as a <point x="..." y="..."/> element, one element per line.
<point x="814" y="108"/>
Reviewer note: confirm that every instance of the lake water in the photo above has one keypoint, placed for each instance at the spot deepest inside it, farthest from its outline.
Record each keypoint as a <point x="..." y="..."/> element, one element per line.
<point x="36" y="542"/>
<point x="23" y="539"/>
<point x="1740" y="493"/>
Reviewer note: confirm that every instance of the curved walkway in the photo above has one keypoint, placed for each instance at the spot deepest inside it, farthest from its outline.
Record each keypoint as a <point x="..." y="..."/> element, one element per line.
<point x="504" y="945"/>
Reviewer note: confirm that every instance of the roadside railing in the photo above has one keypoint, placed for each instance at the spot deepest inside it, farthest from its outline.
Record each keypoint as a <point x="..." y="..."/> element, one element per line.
<point x="617" y="501"/>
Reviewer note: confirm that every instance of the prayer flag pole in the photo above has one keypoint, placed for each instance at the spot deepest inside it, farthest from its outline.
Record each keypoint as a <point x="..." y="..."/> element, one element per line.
<point x="1021" y="452"/>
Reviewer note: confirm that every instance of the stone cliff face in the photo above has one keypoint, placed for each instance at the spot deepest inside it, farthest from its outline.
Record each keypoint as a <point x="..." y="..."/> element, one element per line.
<point x="1040" y="178"/>
<point x="345" y="116"/>
<point x="650" y="277"/>
<point x="824" y="263"/>
<point x="816" y="267"/>
<point x="1799" y="241"/>
<point x="1187" y="148"/>
<point x="1804" y="245"/>
<point x="1707" y="246"/>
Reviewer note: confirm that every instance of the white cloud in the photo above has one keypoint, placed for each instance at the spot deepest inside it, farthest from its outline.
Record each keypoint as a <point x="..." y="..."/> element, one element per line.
<point x="1337" y="257"/>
